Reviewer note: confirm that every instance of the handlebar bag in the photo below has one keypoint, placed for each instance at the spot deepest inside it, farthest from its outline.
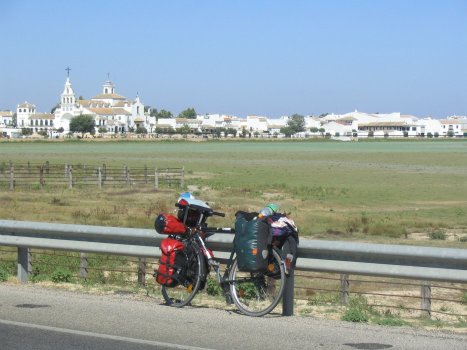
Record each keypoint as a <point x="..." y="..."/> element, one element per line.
<point x="171" y="262"/>
<point x="169" y="225"/>
<point x="251" y="244"/>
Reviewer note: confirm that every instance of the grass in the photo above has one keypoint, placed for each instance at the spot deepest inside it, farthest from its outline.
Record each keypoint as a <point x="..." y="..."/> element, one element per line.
<point x="370" y="191"/>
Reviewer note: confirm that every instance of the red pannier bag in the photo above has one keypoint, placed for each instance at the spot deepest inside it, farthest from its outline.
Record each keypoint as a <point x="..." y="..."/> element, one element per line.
<point x="169" y="225"/>
<point x="171" y="262"/>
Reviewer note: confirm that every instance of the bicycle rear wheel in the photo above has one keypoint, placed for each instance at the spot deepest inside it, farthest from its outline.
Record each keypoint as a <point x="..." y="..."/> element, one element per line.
<point x="190" y="279"/>
<point x="257" y="294"/>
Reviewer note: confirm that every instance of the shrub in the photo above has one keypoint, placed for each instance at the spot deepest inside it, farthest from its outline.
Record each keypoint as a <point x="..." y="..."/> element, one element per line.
<point x="463" y="239"/>
<point x="358" y="310"/>
<point x="464" y="299"/>
<point x="355" y="315"/>
<point x="213" y="288"/>
<point x="387" y="229"/>
<point x="3" y="275"/>
<point x="440" y="235"/>
<point x="61" y="275"/>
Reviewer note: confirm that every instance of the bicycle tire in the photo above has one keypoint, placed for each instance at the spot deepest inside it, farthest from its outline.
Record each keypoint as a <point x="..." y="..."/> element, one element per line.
<point x="194" y="273"/>
<point x="257" y="294"/>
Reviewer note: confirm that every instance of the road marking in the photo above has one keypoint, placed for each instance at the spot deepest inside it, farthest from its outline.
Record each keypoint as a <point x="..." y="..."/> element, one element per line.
<point x="102" y="336"/>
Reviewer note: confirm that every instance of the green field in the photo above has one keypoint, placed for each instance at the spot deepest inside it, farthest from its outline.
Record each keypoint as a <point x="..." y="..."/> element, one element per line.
<point x="351" y="190"/>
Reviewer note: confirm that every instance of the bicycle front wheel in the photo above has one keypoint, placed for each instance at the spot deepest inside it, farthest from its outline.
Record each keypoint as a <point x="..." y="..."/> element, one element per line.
<point x="190" y="280"/>
<point x="257" y="294"/>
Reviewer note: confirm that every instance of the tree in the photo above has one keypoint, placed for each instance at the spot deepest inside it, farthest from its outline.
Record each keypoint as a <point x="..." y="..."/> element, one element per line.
<point x="102" y="130"/>
<point x="314" y="130"/>
<point x="184" y="130"/>
<point x="231" y="131"/>
<point x="141" y="130"/>
<point x="153" y="112"/>
<point x="52" y="111"/>
<point x="164" y="114"/>
<point x="287" y="131"/>
<point x="296" y="123"/>
<point x="83" y="123"/>
<point x="26" y="131"/>
<point x="188" y="113"/>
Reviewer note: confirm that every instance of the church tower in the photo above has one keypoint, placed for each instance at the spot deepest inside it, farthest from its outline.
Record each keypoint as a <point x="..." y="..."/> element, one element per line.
<point x="67" y="98"/>
<point x="108" y="88"/>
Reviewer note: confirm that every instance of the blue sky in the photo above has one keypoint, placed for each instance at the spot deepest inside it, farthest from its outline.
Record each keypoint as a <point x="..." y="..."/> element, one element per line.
<point x="241" y="57"/>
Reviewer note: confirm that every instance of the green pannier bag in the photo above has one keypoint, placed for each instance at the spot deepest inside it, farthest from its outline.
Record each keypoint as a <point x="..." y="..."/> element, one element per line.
<point x="251" y="244"/>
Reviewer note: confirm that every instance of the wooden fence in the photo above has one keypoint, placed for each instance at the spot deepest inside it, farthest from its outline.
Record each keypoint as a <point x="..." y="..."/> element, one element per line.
<point x="14" y="175"/>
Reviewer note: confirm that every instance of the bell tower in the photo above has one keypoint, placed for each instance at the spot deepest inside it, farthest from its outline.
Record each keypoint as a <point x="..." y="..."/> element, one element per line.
<point x="108" y="88"/>
<point x="67" y="98"/>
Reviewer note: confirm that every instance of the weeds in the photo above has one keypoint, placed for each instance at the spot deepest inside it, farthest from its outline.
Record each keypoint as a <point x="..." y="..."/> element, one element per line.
<point x="464" y="298"/>
<point x="323" y="299"/>
<point x="3" y="275"/>
<point x="438" y="235"/>
<point x="213" y="288"/>
<point x="61" y="275"/>
<point x="358" y="310"/>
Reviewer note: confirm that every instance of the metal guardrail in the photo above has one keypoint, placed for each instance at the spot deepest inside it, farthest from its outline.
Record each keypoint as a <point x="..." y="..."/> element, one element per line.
<point x="395" y="261"/>
<point x="399" y="261"/>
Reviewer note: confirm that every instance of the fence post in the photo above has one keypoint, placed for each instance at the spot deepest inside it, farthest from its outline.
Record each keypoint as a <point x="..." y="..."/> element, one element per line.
<point x="344" y="292"/>
<point x="47" y="167"/>
<point x="145" y="174"/>
<point x="29" y="167"/>
<point x="83" y="265"/>
<point x="182" y="180"/>
<point x="426" y="298"/>
<point x="99" y="177"/>
<point x="70" y="177"/>
<point x="156" y="179"/>
<point x="41" y="176"/>
<point x="104" y="169"/>
<point x="142" y="272"/>
<point x="12" y="176"/>
<point x="24" y="264"/>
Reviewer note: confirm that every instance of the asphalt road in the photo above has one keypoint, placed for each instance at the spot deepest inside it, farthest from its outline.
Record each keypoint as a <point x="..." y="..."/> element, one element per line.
<point x="36" y="318"/>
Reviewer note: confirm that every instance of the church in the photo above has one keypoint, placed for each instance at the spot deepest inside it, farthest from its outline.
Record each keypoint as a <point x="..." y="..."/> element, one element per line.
<point x="111" y="111"/>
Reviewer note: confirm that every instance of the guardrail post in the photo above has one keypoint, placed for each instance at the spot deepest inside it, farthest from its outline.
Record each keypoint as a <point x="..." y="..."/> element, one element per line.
<point x="142" y="272"/>
<point x="426" y="298"/>
<point x="24" y="264"/>
<point x="83" y="265"/>
<point x="344" y="292"/>
<point x="289" y="254"/>
<point x="288" y="296"/>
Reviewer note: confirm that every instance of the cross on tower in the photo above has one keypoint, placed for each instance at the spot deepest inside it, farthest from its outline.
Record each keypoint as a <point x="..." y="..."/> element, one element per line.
<point x="68" y="69"/>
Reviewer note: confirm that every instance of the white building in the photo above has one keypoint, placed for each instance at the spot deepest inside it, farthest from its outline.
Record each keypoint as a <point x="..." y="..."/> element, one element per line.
<point x="6" y="118"/>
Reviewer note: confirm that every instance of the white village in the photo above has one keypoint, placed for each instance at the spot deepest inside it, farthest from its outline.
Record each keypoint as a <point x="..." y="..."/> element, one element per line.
<point x="115" y="115"/>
